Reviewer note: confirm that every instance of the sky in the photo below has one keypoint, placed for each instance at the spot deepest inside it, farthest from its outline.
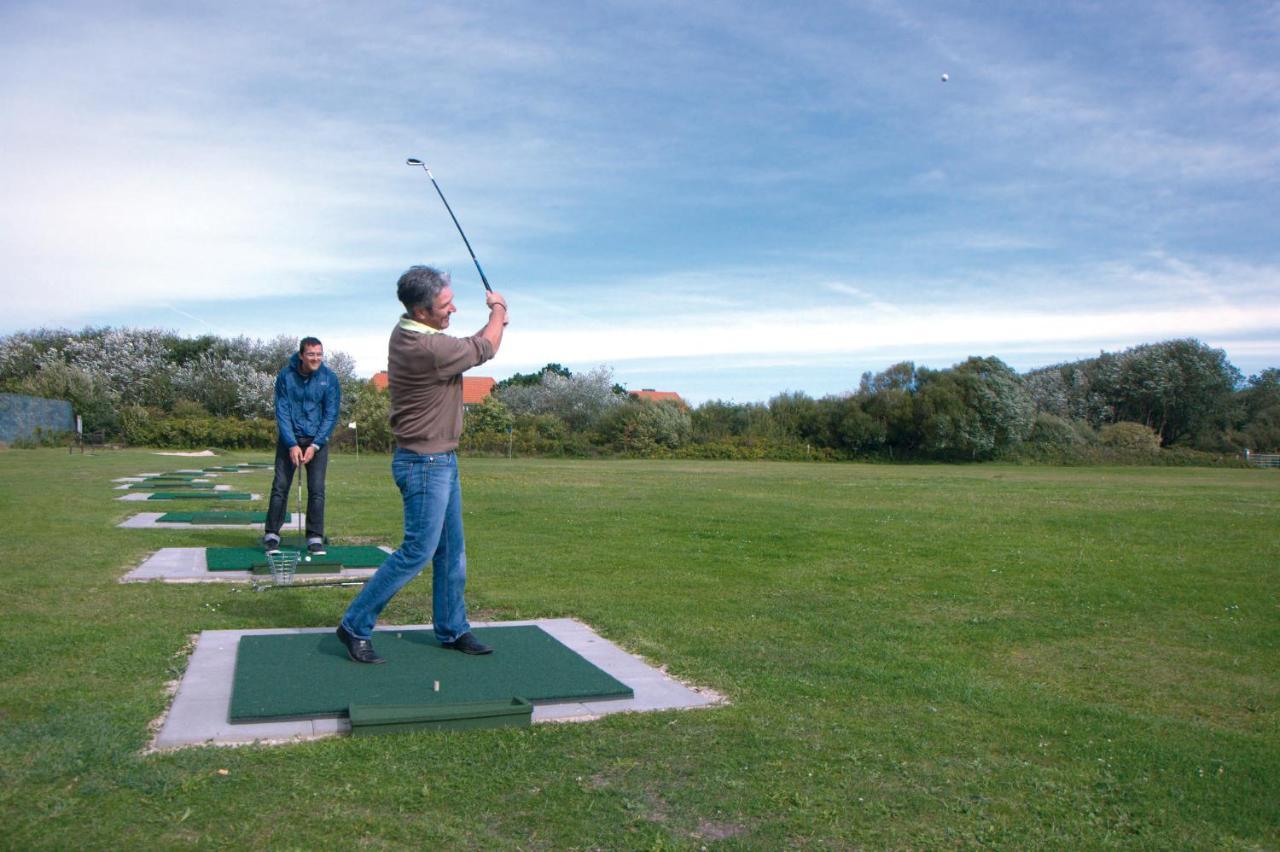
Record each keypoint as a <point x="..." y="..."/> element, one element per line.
<point x="724" y="199"/>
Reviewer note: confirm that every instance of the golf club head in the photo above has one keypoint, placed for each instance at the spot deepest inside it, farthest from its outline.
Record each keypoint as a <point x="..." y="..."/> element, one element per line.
<point x="413" y="161"/>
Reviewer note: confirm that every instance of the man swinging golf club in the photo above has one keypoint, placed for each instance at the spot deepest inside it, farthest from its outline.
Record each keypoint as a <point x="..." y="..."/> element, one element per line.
<point x="424" y="369"/>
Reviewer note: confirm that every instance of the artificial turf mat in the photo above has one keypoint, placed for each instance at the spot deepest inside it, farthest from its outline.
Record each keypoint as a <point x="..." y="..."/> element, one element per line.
<point x="255" y="558"/>
<point x="173" y="485"/>
<point x="229" y="517"/>
<point x="306" y="675"/>
<point x="373" y="719"/>
<point x="201" y="495"/>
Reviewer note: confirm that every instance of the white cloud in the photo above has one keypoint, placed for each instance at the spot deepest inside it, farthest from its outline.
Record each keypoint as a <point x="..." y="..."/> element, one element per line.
<point x="707" y="181"/>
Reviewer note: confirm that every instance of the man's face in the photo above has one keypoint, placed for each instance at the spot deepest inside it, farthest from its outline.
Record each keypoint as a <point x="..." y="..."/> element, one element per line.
<point x="438" y="314"/>
<point x="312" y="358"/>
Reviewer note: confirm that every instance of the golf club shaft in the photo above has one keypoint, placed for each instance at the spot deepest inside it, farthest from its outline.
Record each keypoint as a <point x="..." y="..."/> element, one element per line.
<point x="456" y="224"/>
<point x="346" y="581"/>
<point x="302" y="472"/>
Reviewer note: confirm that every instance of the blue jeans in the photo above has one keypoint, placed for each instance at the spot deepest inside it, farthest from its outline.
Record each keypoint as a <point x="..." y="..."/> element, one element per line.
<point x="432" y="495"/>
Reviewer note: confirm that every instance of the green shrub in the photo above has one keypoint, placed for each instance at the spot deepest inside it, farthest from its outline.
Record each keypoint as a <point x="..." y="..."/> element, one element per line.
<point x="189" y="433"/>
<point x="1130" y="437"/>
<point x="1049" y="430"/>
<point x="488" y="416"/>
<point x="641" y="428"/>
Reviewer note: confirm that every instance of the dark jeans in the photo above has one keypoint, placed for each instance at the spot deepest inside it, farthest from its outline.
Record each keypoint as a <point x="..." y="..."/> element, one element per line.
<point x="315" y="490"/>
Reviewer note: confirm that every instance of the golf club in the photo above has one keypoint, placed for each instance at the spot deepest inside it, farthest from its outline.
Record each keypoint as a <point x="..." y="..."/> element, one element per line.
<point x="259" y="586"/>
<point x="302" y="536"/>
<point x="412" y="161"/>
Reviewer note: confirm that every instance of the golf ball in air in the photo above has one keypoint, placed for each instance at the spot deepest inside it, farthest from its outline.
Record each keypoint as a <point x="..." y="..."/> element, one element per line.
<point x="946" y="77"/>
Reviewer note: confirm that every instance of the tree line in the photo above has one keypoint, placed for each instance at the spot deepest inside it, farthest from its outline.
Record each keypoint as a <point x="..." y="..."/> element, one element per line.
<point x="1169" y="400"/>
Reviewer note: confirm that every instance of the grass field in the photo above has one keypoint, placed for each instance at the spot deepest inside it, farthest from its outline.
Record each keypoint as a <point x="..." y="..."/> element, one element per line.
<point x="916" y="656"/>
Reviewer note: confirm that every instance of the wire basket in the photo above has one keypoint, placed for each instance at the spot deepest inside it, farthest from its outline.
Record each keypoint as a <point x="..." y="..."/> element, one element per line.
<point x="283" y="565"/>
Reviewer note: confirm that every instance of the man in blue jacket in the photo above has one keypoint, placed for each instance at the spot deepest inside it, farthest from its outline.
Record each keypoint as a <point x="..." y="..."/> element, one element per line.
<point x="307" y="400"/>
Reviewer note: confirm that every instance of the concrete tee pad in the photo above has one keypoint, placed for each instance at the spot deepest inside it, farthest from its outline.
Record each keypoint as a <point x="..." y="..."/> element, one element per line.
<point x="200" y="710"/>
<point x="151" y="521"/>
<point x="188" y="565"/>
<point x="221" y="489"/>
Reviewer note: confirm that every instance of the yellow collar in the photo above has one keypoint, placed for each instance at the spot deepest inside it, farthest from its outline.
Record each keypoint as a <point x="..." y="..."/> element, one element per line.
<point x="408" y="323"/>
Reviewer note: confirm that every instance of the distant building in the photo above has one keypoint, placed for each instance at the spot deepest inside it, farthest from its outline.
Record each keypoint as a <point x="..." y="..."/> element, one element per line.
<point x="474" y="388"/>
<point x="659" y="396"/>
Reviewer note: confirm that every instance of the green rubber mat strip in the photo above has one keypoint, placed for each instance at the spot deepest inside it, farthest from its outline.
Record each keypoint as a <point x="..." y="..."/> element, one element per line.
<point x="307" y="675"/>
<point x="172" y="477"/>
<point x="213" y="517"/>
<point x="252" y="558"/>
<point x="373" y="719"/>
<point x="222" y="469"/>
<point x="201" y="495"/>
<point x="172" y="486"/>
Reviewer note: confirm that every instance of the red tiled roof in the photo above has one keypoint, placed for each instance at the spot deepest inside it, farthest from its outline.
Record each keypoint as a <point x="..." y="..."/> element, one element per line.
<point x="476" y="388"/>
<point x="657" y="395"/>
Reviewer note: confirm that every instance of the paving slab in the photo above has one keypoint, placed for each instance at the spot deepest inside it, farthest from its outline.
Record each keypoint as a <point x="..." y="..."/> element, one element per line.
<point x="201" y="706"/>
<point x="151" y="521"/>
<point x="188" y="565"/>
<point x="146" y="495"/>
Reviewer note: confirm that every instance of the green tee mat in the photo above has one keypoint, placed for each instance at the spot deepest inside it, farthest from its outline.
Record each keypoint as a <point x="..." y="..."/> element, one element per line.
<point x="230" y="517"/>
<point x="255" y="559"/>
<point x="373" y="719"/>
<point x="307" y="675"/>
<point x="171" y="485"/>
<point x="201" y="495"/>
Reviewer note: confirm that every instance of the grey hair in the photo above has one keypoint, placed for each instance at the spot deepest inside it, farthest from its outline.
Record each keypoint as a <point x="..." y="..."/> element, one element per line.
<point x="419" y="286"/>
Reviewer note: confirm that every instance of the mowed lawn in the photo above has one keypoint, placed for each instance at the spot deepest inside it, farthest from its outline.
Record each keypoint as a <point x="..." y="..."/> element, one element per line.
<point x="914" y="656"/>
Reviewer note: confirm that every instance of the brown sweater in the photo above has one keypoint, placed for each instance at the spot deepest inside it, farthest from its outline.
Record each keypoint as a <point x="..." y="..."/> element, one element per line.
<point x="424" y="374"/>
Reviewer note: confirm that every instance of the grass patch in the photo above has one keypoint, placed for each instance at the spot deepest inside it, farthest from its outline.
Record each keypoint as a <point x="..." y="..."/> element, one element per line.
<point x="916" y="655"/>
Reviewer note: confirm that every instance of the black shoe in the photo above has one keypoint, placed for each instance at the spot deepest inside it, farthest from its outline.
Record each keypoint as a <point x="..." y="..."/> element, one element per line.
<point x="271" y="545"/>
<point x="315" y="548"/>
<point x="360" y="650"/>
<point x="467" y="644"/>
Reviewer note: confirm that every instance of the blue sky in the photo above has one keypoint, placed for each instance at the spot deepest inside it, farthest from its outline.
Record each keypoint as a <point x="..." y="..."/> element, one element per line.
<point x="724" y="199"/>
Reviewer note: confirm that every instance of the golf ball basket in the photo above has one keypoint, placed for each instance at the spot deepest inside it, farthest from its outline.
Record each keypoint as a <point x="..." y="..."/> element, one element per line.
<point x="283" y="564"/>
<point x="284" y="567"/>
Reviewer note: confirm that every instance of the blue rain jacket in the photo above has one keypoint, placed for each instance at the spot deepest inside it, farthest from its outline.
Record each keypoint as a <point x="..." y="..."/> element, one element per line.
<point x="306" y="406"/>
